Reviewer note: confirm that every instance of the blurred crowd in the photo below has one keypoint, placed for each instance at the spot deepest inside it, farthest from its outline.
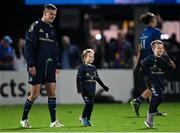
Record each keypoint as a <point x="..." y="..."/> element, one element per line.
<point x="12" y="54"/>
<point x="117" y="53"/>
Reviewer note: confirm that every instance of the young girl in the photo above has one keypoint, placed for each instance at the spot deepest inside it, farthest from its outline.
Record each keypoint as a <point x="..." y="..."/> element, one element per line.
<point x="86" y="85"/>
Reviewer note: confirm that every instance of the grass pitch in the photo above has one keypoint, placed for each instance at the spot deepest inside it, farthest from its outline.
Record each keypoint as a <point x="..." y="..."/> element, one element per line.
<point x="105" y="117"/>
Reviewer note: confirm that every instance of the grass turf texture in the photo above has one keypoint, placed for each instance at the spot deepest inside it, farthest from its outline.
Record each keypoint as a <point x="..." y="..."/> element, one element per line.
<point x="105" y="117"/>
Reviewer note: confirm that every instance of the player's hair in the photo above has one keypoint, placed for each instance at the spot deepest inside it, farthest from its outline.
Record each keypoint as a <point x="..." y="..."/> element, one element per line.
<point x="85" y="52"/>
<point x="50" y="6"/>
<point x="156" y="42"/>
<point x="147" y="17"/>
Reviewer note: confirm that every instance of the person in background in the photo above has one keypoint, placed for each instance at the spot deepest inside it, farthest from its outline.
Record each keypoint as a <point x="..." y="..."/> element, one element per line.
<point x="149" y="34"/>
<point x="19" y="57"/>
<point x="70" y="54"/>
<point x="6" y="54"/>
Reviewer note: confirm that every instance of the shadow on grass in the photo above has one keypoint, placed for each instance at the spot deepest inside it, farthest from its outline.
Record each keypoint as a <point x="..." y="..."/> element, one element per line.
<point x="135" y="116"/>
<point x="145" y="129"/>
<point x="76" y="126"/>
<point x="20" y="128"/>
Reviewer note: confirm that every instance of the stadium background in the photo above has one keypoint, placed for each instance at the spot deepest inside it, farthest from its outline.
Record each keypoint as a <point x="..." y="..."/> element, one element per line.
<point x="79" y="21"/>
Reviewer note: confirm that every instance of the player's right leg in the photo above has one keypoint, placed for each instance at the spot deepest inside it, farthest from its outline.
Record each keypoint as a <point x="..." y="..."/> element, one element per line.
<point x="51" y="87"/>
<point x="35" y="91"/>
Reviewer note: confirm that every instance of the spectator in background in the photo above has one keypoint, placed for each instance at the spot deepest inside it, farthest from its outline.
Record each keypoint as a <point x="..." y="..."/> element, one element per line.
<point x="174" y="45"/>
<point x="110" y="52"/>
<point x="98" y="45"/>
<point x="123" y="52"/>
<point x="173" y="49"/>
<point x="6" y="54"/>
<point x="70" y="54"/>
<point x="19" y="59"/>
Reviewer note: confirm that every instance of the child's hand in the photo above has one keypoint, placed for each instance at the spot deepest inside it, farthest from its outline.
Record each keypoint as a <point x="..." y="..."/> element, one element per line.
<point x="106" y="88"/>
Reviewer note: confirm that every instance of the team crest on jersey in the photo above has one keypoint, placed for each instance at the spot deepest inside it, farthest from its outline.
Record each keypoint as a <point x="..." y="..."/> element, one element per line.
<point x="41" y="31"/>
<point x="47" y="36"/>
<point x="154" y="66"/>
<point x="87" y="74"/>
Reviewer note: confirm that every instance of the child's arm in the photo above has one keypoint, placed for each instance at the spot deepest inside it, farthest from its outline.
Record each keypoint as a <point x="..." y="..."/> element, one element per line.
<point x="78" y="80"/>
<point x="173" y="65"/>
<point x="102" y="84"/>
<point x="78" y="84"/>
<point x="168" y="63"/>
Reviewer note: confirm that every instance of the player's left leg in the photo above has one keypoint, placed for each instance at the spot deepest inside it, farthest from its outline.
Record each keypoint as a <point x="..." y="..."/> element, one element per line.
<point x="91" y="103"/>
<point x="51" y="87"/>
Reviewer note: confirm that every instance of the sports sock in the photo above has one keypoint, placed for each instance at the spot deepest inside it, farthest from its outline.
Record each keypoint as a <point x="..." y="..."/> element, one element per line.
<point x="27" y="108"/>
<point x="52" y="108"/>
<point x="140" y="99"/>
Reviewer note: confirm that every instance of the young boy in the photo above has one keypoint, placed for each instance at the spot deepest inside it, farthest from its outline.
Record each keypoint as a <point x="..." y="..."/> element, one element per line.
<point x="155" y="66"/>
<point x="86" y="85"/>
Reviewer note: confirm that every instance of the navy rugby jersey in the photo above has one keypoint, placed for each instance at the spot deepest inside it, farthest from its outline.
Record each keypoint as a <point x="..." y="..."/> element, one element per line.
<point x="41" y="44"/>
<point x="155" y="68"/>
<point x="87" y="75"/>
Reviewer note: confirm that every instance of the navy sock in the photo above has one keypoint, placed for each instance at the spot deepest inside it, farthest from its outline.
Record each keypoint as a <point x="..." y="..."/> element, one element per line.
<point x="27" y="108"/>
<point x="140" y="99"/>
<point x="52" y="108"/>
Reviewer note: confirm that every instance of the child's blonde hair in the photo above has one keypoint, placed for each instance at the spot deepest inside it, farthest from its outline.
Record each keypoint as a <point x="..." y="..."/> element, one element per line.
<point x="156" y="42"/>
<point x="84" y="53"/>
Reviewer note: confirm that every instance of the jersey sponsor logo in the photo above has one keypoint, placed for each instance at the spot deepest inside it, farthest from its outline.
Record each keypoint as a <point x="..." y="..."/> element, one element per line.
<point x="46" y="39"/>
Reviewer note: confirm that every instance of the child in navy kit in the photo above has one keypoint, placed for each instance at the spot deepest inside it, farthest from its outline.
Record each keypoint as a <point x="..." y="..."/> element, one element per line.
<point x="154" y="66"/>
<point x="86" y="85"/>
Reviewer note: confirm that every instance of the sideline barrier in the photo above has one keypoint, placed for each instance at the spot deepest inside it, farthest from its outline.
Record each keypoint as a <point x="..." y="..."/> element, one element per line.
<point x="14" y="86"/>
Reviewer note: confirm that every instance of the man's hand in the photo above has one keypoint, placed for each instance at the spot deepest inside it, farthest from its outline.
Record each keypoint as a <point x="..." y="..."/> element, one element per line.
<point x="58" y="72"/>
<point x="32" y="71"/>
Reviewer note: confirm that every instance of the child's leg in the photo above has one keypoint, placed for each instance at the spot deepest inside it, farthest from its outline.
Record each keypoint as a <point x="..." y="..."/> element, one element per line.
<point x="86" y="114"/>
<point x="90" y="108"/>
<point x="155" y="102"/>
<point x="86" y="107"/>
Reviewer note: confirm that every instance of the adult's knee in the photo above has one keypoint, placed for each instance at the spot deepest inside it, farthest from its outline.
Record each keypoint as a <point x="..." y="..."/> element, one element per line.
<point x="51" y="94"/>
<point x="34" y="96"/>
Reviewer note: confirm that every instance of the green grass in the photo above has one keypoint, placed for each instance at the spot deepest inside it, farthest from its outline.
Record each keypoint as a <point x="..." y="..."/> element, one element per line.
<point x="105" y="117"/>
